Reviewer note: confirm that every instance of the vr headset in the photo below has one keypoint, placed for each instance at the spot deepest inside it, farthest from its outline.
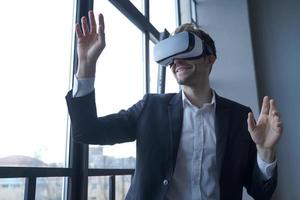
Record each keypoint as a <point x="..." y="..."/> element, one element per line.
<point x="183" y="45"/>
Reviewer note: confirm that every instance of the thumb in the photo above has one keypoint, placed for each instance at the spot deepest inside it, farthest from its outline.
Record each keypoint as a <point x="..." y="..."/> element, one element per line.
<point x="251" y="122"/>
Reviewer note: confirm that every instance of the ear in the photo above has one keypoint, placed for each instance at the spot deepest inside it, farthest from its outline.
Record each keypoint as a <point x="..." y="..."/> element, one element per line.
<point x="211" y="59"/>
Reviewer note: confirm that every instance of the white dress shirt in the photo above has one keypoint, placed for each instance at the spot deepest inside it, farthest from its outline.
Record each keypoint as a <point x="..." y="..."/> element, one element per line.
<point x="195" y="175"/>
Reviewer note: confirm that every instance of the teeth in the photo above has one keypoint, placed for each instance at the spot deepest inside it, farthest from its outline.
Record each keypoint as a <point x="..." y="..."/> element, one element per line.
<point x="179" y="70"/>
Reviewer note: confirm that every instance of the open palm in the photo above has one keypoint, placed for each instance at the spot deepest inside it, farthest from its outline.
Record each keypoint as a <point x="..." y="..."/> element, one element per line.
<point x="90" y="44"/>
<point x="268" y="129"/>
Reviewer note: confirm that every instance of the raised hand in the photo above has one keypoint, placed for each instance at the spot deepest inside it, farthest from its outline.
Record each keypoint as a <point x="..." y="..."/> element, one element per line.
<point x="267" y="131"/>
<point x="90" y="44"/>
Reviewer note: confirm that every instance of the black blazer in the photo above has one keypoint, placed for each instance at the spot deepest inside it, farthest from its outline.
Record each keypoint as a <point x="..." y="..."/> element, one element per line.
<point x="155" y="123"/>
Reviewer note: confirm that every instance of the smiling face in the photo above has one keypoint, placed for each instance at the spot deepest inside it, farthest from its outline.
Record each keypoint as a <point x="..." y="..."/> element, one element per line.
<point x="192" y="72"/>
<point x="195" y="73"/>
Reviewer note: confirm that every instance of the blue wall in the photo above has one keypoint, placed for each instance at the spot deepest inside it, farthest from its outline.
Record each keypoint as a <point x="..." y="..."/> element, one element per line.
<point x="275" y="27"/>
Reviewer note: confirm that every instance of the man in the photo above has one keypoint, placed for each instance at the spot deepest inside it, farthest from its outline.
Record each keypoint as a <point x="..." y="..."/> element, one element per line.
<point x="190" y="145"/>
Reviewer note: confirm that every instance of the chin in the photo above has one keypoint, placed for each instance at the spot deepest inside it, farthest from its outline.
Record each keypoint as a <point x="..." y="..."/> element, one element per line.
<point x="186" y="80"/>
<point x="183" y="81"/>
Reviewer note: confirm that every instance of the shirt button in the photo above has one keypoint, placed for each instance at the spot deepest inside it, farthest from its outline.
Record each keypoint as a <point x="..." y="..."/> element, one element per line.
<point x="165" y="182"/>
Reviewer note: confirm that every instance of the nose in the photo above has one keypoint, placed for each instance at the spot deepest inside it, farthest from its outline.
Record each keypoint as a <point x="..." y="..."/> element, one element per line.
<point x="176" y="61"/>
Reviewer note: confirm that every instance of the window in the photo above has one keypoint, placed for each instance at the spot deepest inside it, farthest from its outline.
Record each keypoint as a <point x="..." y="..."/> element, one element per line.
<point x="166" y="8"/>
<point x="171" y="83"/>
<point x="119" y="82"/>
<point x="122" y="186"/>
<point x="49" y="188"/>
<point x="38" y="53"/>
<point x="35" y="68"/>
<point x="12" y="188"/>
<point x="98" y="188"/>
<point x="36" y="49"/>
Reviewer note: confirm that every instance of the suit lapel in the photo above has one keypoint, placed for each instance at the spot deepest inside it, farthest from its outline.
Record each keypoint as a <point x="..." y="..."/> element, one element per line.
<point x="222" y="121"/>
<point x="175" y="110"/>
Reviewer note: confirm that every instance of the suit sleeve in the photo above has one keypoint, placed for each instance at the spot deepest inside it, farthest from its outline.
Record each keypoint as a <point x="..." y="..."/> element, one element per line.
<point x="257" y="186"/>
<point x="111" y="129"/>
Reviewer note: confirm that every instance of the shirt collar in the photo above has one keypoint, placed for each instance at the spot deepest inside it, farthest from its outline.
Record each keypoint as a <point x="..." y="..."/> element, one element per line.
<point x="186" y="101"/>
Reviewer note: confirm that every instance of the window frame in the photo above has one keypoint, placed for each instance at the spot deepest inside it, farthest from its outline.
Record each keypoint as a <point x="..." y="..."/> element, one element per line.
<point x="76" y="172"/>
<point x="193" y="4"/>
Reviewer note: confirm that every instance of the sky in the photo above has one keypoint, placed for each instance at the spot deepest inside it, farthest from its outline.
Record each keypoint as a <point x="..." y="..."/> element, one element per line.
<point x="36" y="57"/>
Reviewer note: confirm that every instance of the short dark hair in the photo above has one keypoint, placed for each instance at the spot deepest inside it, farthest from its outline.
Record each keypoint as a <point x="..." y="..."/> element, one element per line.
<point x="189" y="27"/>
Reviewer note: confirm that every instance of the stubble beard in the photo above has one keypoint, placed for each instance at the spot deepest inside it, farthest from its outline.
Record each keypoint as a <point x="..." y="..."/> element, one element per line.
<point x="188" y="81"/>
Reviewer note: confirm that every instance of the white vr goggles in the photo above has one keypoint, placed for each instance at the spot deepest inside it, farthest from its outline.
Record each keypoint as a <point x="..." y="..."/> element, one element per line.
<point x="183" y="45"/>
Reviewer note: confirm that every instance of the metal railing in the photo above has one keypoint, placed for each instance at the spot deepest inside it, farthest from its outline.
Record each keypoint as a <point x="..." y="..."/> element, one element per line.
<point x="32" y="173"/>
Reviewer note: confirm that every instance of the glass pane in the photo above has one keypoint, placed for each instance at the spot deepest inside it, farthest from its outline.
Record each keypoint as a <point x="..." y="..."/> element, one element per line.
<point x="171" y="83"/>
<point x="12" y="188"/>
<point x="49" y="188"/>
<point x="153" y="69"/>
<point x="97" y="158"/>
<point x="167" y="9"/>
<point x="98" y="188"/>
<point x="35" y="67"/>
<point x="122" y="186"/>
<point x="119" y="83"/>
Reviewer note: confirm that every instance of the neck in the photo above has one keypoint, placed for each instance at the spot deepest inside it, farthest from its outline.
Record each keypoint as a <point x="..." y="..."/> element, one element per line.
<point x="199" y="94"/>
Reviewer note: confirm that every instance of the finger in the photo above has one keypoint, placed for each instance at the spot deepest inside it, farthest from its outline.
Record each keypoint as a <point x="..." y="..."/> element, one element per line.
<point x="78" y="31"/>
<point x="93" y="25"/>
<point x="279" y="128"/>
<point x="279" y="124"/>
<point x="265" y="106"/>
<point x="101" y="23"/>
<point x="251" y="122"/>
<point x="275" y="113"/>
<point x="276" y="118"/>
<point x="85" y="28"/>
<point x="272" y="107"/>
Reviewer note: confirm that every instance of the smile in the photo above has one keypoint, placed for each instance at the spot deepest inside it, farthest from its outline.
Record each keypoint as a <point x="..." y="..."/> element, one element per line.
<point x="181" y="69"/>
